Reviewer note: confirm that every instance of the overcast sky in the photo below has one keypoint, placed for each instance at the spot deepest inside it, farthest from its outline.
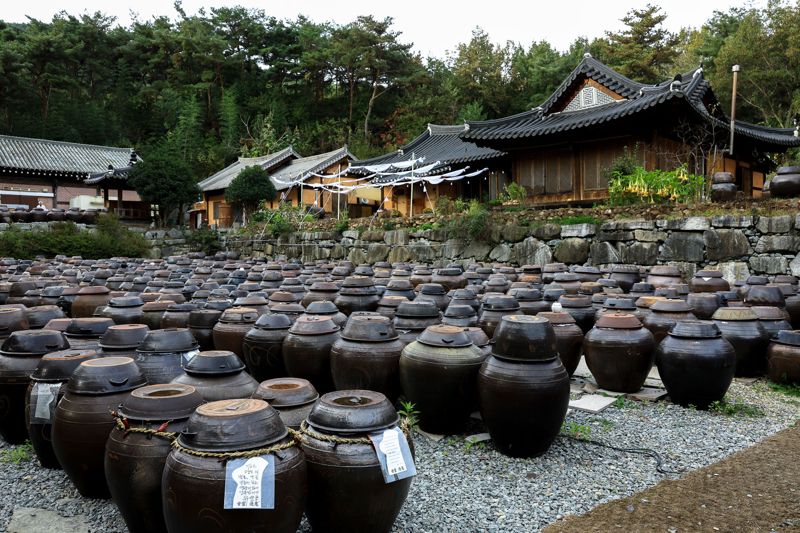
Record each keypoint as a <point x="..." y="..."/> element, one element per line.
<point x="434" y="26"/>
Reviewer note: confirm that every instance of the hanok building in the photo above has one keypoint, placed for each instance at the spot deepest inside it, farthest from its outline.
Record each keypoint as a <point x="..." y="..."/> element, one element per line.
<point x="289" y="174"/>
<point x="560" y="150"/>
<point x="466" y="171"/>
<point x="63" y="175"/>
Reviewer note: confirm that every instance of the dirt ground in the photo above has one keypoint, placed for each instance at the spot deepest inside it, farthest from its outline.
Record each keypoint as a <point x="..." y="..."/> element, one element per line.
<point x="755" y="490"/>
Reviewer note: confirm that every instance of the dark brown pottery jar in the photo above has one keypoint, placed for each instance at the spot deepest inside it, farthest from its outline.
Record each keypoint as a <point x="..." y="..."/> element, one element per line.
<point x="367" y="356"/>
<point x="152" y="313"/>
<point x="12" y="319"/>
<point x="201" y="324"/>
<point x="664" y="314"/>
<point x="233" y="325"/>
<point x="696" y="363"/>
<point x="569" y="339"/>
<point x="523" y="387"/>
<point x="740" y="327"/>
<point x="411" y="319"/>
<point x="19" y="356"/>
<point x="433" y="292"/>
<point x="89" y="299"/>
<point x="772" y="319"/>
<point x="703" y="304"/>
<point x="358" y="293"/>
<point x="619" y="352"/>
<point x="85" y="333"/>
<point x="137" y="449"/>
<point x="708" y="281"/>
<point x="320" y="291"/>
<point x="580" y="308"/>
<point x="177" y="315"/>
<point x="124" y="310"/>
<point x="42" y="314"/>
<point x="786" y="183"/>
<point x="193" y="484"/>
<point x="44" y="392"/>
<point x="344" y="473"/>
<point x="163" y="352"/>
<point x="494" y="308"/>
<point x="329" y="309"/>
<point x="479" y="339"/>
<point x="217" y="375"/>
<point x="460" y="315"/>
<point x="292" y="397"/>
<point x="625" y="276"/>
<point x="764" y="295"/>
<point x="664" y="276"/>
<point x="263" y="347"/>
<point x="783" y="358"/>
<point x="122" y="340"/>
<point x="83" y="419"/>
<point x="449" y="278"/>
<point x="307" y="350"/>
<point x="438" y="373"/>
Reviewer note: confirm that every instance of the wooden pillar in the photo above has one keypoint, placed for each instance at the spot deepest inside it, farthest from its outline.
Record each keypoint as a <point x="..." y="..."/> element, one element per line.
<point x="119" y="202"/>
<point x="105" y="197"/>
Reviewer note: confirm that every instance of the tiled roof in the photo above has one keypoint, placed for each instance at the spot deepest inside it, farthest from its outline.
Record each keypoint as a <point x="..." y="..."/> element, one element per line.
<point x="438" y="143"/>
<point x="301" y="169"/>
<point x="54" y="158"/>
<point x="268" y="162"/>
<point x="692" y="89"/>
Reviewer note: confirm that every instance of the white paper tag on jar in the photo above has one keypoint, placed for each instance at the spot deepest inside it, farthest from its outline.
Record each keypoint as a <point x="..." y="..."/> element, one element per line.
<point x="394" y="454"/>
<point x="46" y="394"/>
<point x="250" y="483"/>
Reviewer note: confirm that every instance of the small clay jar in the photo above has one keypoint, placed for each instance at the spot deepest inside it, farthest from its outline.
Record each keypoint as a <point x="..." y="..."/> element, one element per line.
<point x="619" y="352"/>
<point x="580" y="308"/>
<point x="708" y="281"/>
<point x="292" y="397"/>
<point x="217" y="375"/>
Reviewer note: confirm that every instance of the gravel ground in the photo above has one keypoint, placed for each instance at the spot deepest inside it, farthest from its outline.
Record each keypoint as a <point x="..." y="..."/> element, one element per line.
<point x="474" y="488"/>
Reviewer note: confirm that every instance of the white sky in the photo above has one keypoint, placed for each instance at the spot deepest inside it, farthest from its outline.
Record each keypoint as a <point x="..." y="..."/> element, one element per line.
<point x="434" y="26"/>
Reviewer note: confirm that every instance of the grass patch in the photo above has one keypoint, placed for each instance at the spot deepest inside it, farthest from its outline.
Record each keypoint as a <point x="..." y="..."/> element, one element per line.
<point x="788" y="389"/>
<point x="18" y="454"/>
<point x="735" y="408"/>
<point x="622" y="403"/>
<point x="575" y="430"/>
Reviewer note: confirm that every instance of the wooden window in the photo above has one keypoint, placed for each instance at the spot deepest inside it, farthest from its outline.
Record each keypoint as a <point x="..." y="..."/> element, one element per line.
<point x="558" y="171"/>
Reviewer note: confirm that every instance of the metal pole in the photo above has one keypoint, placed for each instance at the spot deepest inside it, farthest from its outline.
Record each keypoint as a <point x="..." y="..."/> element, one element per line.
<point x="735" y="70"/>
<point x="411" y="206"/>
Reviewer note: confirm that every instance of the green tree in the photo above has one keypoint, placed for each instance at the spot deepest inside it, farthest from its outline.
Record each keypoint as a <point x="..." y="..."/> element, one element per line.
<point x="480" y="71"/>
<point x="163" y="178"/>
<point x="250" y="189"/>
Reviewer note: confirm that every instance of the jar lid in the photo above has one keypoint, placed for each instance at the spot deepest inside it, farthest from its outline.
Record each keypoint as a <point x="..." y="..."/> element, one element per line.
<point x="734" y="314"/>
<point x="669" y="305"/>
<point x="420" y="308"/>
<point x="239" y="315"/>
<point x="665" y="270"/>
<point x="34" y="342"/>
<point x="432" y="289"/>
<point x="322" y="307"/>
<point x="59" y="366"/>
<point x="313" y="325"/>
<point x="232" y="425"/>
<point x="618" y="321"/>
<point x="557" y="318"/>
<point x="166" y="401"/>
<point x="501" y="303"/>
<point x="695" y="329"/>
<point x="282" y="297"/>
<point x="126" y="301"/>
<point x="369" y="328"/>
<point x="788" y="337"/>
<point x="769" y="312"/>
<point x="647" y="301"/>
<point x="448" y="271"/>
<point x="286" y="392"/>
<point x="274" y="321"/>
<point x="575" y="302"/>
<point x="357" y="281"/>
<point x="619" y="303"/>
<point x="524" y="338"/>
<point x="204" y="318"/>
<point x="124" y="336"/>
<point x="444" y="336"/>
<point x="249" y="301"/>
<point x="106" y="375"/>
<point x="181" y="307"/>
<point x="708" y="273"/>
<point x="459" y="311"/>
<point x="169" y="340"/>
<point x="94" y="289"/>
<point x="155" y="307"/>
<point x="88" y="327"/>
<point x="214" y="362"/>
<point x="324" y="286"/>
<point x="352" y="411"/>
<point x="390" y="301"/>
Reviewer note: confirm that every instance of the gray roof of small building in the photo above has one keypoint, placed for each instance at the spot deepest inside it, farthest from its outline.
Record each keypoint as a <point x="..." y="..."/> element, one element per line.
<point x="57" y="158"/>
<point x="693" y="89"/>
<point x="224" y="177"/>
<point x="301" y="169"/>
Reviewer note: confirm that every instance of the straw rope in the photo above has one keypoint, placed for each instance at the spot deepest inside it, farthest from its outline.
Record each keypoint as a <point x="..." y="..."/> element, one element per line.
<point x="122" y="424"/>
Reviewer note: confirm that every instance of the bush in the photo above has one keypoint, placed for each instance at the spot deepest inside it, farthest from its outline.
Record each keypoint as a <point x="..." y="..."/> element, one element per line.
<point x="250" y="189"/>
<point x="654" y="187"/>
<point x="474" y="223"/>
<point x="204" y="240"/>
<point x="514" y="193"/>
<point x="444" y="205"/>
<point x="343" y="223"/>
<point x="109" y="239"/>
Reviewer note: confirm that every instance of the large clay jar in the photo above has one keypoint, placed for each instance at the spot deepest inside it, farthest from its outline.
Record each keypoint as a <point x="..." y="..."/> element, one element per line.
<point x="786" y="183"/>
<point x="358" y="293"/>
<point x="449" y="278"/>
<point x="137" y="449"/>
<point x="411" y="319"/>
<point x="153" y="312"/>
<point x="124" y="310"/>
<point x="320" y="291"/>
<point x="263" y="347"/>
<point x="83" y="419"/>
<point x="307" y="350"/>
<point x="329" y="309"/>
<point x="664" y="276"/>
<point x="460" y="315"/>
<point x="233" y="325"/>
<point x="122" y="340"/>
<point x="89" y="299"/>
<point x="340" y="474"/>
<point x="569" y="339"/>
<point x="19" y="357"/>
<point x="193" y="484"/>
<point x="619" y="352"/>
<point x="12" y="319"/>
<point x="664" y="314"/>
<point x="770" y="295"/>
<point x="783" y="358"/>
<point x="387" y="305"/>
<point x="708" y="281"/>
<point x="740" y="327"/>
<point x="435" y="293"/>
<point x="42" y="314"/>
<point x="163" y="352"/>
<point x="367" y="356"/>
<point x="494" y="308"/>
<point x="696" y="363"/>
<point x="438" y="374"/>
<point x="44" y="392"/>
<point x="523" y="387"/>
<point x="201" y="324"/>
<point x="772" y="319"/>
<point x="217" y="375"/>
<point x="292" y="397"/>
<point x="580" y="308"/>
<point x="703" y="304"/>
<point x="625" y="276"/>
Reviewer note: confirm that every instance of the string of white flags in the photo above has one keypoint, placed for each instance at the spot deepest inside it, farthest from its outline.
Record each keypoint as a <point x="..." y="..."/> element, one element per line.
<point x="339" y="188"/>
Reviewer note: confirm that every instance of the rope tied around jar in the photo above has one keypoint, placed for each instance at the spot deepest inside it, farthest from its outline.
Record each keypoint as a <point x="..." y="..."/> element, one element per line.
<point x="124" y="425"/>
<point x="244" y="454"/>
<point x="305" y="429"/>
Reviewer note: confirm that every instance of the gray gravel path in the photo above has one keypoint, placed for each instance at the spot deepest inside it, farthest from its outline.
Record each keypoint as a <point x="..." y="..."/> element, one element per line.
<point x="474" y="488"/>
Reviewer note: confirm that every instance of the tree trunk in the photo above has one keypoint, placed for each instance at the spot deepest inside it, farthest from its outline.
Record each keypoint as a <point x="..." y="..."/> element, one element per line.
<point x="374" y="96"/>
<point x="352" y="86"/>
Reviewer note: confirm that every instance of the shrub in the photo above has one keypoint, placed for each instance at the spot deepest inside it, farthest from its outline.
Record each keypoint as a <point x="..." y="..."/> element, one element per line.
<point x="250" y="189"/>
<point x="343" y="224"/>
<point x="389" y="225"/>
<point x="444" y="205"/>
<point x="474" y="224"/>
<point x="515" y="193"/>
<point x="654" y="187"/>
<point x="204" y="240"/>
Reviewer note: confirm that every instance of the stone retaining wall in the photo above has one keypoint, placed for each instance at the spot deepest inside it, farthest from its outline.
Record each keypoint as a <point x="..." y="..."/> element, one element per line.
<point x="737" y="245"/>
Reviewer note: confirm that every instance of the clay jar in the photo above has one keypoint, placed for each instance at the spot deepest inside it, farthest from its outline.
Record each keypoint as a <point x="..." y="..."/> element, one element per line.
<point x="292" y="397"/>
<point x="367" y="356"/>
<point x="523" y="387"/>
<point x="88" y="300"/>
<point x="201" y="324"/>
<point x="122" y="340"/>
<point x="83" y="421"/>
<point x="580" y="308"/>
<point x="124" y="310"/>
<point x="495" y="308"/>
<point x="740" y="327"/>
<point x="569" y="339"/>
<point x="434" y="292"/>
<point x="320" y="291"/>
<point x="696" y="363"/>
<point x="772" y="319"/>
<point x="708" y="281"/>
<point x="44" y="392"/>
<point x="263" y="347"/>
<point x="768" y="295"/>
<point x="703" y="304"/>
<point x="344" y="473"/>
<point x="358" y="293"/>
<point x="449" y="278"/>
<point x="12" y="319"/>
<point x="786" y="183"/>
<point x="438" y="373"/>
<point x="411" y="319"/>
<point x="619" y="352"/>
<point x="783" y="358"/>
<point x="42" y="314"/>
<point x="193" y="486"/>
<point x="163" y="352"/>
<point x="625" y="276"/>
<point x="307" y="350"/>
<point x="664" y="314"/>
<point x="217" y="375"/>
<point x="177" y="315"/>
<point x="233" y="325"/>
<point x="134" y="461"/>
<point x="327" y="308"/>
<point x="19" y="357"/>
<point x="664" y="276"/>
<point x="387" y="305"/>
